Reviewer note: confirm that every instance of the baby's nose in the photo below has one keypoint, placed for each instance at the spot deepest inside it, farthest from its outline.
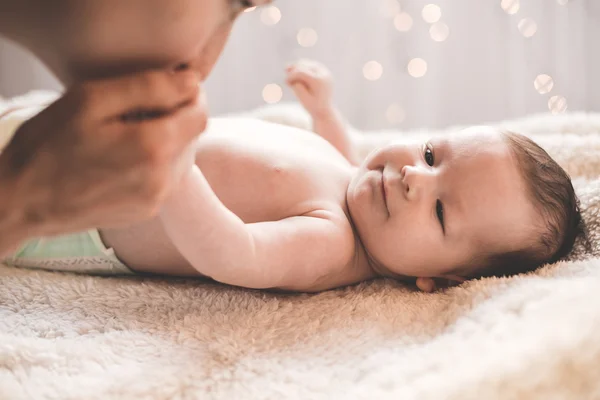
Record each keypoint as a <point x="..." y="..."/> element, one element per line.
<point x="403" y="172"/>
<point x="408" y="174"/>
<point x="406" y="185"/>
<point x="415" y="181"/>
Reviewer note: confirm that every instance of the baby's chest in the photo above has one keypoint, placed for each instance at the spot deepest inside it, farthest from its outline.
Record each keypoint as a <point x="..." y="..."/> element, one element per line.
<point x="260" y="184"/>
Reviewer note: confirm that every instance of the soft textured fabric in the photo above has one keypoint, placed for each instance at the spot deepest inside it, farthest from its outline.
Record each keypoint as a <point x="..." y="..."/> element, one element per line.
<point x="67" y="336"/>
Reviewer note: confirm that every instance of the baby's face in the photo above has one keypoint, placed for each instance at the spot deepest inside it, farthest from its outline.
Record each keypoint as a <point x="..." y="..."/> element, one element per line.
<point x="429" y="209"/>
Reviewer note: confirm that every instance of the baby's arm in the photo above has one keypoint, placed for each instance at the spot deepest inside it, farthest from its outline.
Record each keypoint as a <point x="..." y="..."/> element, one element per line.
<point x="311" y="82"/>
<point x="292" y="253"/>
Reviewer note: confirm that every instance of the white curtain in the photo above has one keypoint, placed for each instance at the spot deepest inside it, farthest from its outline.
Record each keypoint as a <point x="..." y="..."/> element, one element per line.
<point x="483" y="71"/>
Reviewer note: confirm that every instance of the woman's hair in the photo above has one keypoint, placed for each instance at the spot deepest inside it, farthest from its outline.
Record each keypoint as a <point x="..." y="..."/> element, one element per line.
<point x="552" y="194"/>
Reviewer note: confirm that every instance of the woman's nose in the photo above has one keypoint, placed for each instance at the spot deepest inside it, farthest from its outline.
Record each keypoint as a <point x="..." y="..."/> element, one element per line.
<point x="416" y="181"/>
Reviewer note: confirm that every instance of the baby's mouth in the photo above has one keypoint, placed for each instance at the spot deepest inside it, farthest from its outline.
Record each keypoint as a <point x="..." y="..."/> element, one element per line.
<point x="383" y="192"/>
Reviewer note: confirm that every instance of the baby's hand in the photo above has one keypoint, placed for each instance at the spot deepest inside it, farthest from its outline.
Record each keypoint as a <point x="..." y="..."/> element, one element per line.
<point x="311" y="82"/>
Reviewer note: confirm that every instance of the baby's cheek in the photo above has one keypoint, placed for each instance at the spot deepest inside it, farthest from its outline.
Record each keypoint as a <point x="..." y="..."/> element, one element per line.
<point x="370" y="185"/>
<point x="359" y="193"/>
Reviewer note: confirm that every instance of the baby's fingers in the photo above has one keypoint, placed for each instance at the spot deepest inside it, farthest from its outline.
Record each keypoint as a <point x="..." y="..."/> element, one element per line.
<point x="314" y="67"/>
<point x="300" y="75"/>
<point x="302" y="92"/>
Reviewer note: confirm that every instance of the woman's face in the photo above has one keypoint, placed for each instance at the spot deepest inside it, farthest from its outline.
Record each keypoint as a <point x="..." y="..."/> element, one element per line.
<point x="203" y="28"/>
<point x="112" y="37"/>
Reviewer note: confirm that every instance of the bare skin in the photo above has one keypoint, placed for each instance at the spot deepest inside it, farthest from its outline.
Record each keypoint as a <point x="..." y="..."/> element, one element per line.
<point x="90" y="39"/>
<point x="258" y="172"/>
<point x="109" y="151"/>
<point x="268" y="206"/>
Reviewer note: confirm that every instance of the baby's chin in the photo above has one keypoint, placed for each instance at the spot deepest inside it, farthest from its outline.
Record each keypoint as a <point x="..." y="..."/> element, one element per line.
<point x="359" y="198"/>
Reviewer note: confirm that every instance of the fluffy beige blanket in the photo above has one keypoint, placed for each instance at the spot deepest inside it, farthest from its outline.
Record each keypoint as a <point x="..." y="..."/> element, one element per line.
<point x="65" y="336"/>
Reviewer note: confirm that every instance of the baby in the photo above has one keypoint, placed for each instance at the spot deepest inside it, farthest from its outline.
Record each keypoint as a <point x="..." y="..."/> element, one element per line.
<point x="272" y="207"/>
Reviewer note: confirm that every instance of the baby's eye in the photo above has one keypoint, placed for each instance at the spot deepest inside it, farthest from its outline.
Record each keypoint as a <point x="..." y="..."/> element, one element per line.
<point x="439" y="210"/>
<point x="429" y="155"/>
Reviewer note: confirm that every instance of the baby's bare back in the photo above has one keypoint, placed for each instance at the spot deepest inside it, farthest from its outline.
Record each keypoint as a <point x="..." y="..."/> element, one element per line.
<point x="260" y="171"/>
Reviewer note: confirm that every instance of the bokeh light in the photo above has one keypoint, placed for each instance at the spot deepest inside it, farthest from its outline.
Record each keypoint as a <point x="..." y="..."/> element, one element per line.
<point x="527" y="27"/>
<point x="557" y="104"/>
<point x="372" y="70"/>
<point x="543" y="83"/>
<point x="272" y="93"/>
<point x="431" y="13"/>
<point x="307" y="37"/>
<point x="403" y="22"/>
<point x="270" y="15"/>
<point x="510" y="6"/>
<point x="417" y="67"/>
<point x="389" y="8"/>
<point x="439" y="31"/>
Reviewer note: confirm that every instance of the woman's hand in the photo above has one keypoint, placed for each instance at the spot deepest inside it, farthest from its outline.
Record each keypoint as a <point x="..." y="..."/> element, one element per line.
<point x="104" y="155"/>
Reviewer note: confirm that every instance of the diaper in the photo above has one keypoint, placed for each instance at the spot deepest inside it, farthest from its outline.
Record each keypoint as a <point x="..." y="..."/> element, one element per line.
<point x="82" y="252"/>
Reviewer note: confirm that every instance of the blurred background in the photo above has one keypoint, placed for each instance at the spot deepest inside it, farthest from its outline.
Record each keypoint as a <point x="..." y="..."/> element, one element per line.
<point x="401" y="63"/>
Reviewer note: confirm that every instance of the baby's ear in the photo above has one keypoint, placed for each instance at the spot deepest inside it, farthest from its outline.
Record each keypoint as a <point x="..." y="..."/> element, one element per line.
<point x="429" y="285"/>
<point x="426" y="285"/>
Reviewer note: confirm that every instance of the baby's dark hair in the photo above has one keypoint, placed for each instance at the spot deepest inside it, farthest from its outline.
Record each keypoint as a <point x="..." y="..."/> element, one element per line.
<point x="552" y="194"/>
